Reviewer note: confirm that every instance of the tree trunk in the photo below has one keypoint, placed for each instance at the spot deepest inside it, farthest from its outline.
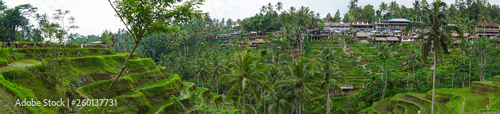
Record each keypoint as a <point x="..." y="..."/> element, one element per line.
<point x="185" y="49"/>
<point x="119" y="73"/>
<point x="434" y="82"/>
<point x="244" y="101"/>
<point x="470" y="67"/>
<point x="327" y="97"/>
<point x="413" y="71"/>
<point x="385" y="84"/>
<point x="217" y="82"/>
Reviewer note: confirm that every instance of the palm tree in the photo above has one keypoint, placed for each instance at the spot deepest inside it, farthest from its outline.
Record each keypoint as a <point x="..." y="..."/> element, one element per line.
<point x="299" y="83"/>
<point x="468" y="25"/>
<point x="330" y="72"/>
<point x="277" y="58"/>
<point x="384" y="50"/>
<point x="279" y="6"/>
<point x="182" y="65"/>
<point x="383" y="7"/>
<point x="437" y="36"/>
<point x="263" y="9"/>
<point x="244" y="75"/>
<point x="269" y="7"/>
<point x="200" y="70"/>
<point x="278" y="102"/>
<point x="414" y="56"/>
<point x="393" y="7"/>
<point x="218" y="67"/>
<point x="352" y="6"/>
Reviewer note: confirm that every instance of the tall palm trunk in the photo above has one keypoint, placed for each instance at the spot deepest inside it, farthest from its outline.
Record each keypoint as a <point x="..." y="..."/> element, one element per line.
<point x="244" y="101"/>
<point x="434" y="81"/>
<point x="470" y="67"/>
<point x="385" y="83"/>
<point x="327" y="97"/>
<point x="216" y="81"/>
<point x="185" y="49"/>
<point x="413" y="71"/>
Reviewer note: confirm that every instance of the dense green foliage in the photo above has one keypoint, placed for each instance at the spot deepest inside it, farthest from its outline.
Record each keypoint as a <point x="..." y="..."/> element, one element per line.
<point x="291" y="73"/>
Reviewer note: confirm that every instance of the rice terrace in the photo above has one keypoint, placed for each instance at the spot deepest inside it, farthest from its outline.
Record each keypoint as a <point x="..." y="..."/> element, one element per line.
<point x="250" y="56"/>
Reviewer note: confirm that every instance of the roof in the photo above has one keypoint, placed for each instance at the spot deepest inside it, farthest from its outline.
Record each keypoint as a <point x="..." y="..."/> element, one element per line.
<point x="346" y="87"/>
<point x="98" y="42"/>
<point x="337" y="24"/>
<point x="380" y="39"/>
<point x="487" y="24"/>
<point x="407" y="37"/>
<point x="361" y="20"/>
<point x="399" y="20"/>
<point x="392" y="39"/>
<point x="456" y="34"/>
<point x="362" y="34"/>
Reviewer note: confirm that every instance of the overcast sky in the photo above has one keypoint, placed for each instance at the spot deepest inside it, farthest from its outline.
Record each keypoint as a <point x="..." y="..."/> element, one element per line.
<point x="94" y="16"/>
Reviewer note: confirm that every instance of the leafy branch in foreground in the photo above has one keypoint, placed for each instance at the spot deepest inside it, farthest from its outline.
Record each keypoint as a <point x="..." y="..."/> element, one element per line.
<point x="144" y="17"/>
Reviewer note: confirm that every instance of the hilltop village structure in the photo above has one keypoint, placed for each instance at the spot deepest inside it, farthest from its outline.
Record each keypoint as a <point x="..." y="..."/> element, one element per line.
<point x="391" y="31"/>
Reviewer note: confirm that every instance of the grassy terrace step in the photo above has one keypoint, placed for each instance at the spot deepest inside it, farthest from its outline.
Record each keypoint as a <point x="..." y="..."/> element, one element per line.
<point x="472" y="102"/>
<point x="494" y="101"/>
<point x="381" y="107"/>
<point x="399" y="109"/>
<point x="173" y="78"/>
<point x="191" y="106"/>
<point x="98" y="89"/>
<point x="138" y="100"/>
<point x="20" y="64"/>
<point x="44" y="45"/>
<point x="187" y="86"/>
<point x="409" y="109"/>
<point x="148" y="77"/>
<point x="10" y="54"/>
<point x="485" y="87"/>
<point x="421" y="97"/>
<point x="404" y="100"/>
<point x="19" y="92"/>
<point x="203" y="93"/>
<point x="357" y="80"/>
<point x="160" y="91"/>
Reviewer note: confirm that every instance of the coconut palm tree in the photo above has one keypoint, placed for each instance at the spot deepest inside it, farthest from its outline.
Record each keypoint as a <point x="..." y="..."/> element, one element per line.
<point x="200" y="70"/>
<point x="263" y="9"/>
<point x="384" y="50"/>
<point x="279" y="6"/>
<point x="245" y="76"/>
<point x="330" y="72"/>
<point x="217" y="68"/>
<point x="278" y="102"/>
<point x="299" y="83"/>
<point x="437" y="36"/>
<point x="269" y="7"/>
<point x="393" y="7"/>
<point x="383" y="7"/>
<point x="414" y="57"/>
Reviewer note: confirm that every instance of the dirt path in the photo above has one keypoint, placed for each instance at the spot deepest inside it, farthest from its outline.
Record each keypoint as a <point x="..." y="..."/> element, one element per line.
<point x="364" y="67"/>
<point x="82" y="95"/>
